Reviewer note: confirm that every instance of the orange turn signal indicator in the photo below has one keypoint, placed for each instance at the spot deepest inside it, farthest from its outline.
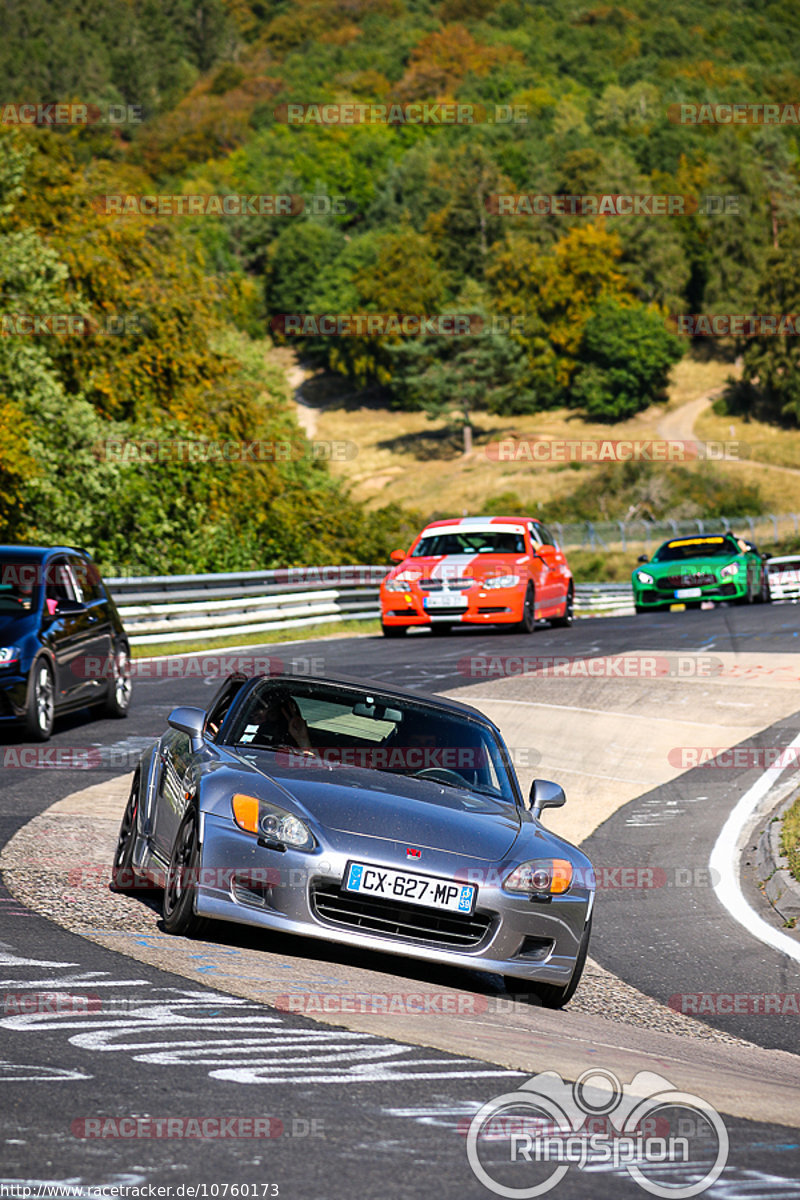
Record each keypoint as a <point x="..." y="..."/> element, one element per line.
<point x="245" y="812"/>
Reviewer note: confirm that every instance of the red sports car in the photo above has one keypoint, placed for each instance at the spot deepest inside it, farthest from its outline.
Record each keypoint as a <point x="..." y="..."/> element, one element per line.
<point x="478" y="571"/>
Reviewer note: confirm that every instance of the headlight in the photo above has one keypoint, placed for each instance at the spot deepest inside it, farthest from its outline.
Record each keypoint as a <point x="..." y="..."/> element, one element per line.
<point x="730" y="569"/>
<point x="541" y="877"/>
<point x="400" y="582"/>
<point x="8" y="655"/>
<point x="501" y="581"/>
<point x="273" y="823"/>
<point x="643" y="577"/>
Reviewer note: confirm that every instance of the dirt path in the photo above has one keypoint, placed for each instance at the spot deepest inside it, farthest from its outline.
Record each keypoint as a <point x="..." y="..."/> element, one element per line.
<point x="678" y="425"/>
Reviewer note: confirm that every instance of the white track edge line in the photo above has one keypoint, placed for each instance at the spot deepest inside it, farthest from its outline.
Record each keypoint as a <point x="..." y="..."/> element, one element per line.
<point x="724" y="865"/>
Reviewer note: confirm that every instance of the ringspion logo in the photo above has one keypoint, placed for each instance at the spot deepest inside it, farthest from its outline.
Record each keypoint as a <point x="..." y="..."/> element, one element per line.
<point x="672" y="1143"/>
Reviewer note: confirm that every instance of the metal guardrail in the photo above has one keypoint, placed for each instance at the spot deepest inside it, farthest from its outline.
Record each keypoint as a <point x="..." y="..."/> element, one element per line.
<point x="176" y="608"/>
<point x="647" y="535"/>
<point x="182" y="608"/>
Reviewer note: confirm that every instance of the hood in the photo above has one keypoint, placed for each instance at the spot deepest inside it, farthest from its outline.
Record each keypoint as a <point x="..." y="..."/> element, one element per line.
<point x="686" y="566"/>
<point x="396" y="808"/>
<point x="452" y="567"/>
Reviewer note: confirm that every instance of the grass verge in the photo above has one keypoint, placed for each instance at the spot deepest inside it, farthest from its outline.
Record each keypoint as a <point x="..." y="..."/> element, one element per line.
<point x="790" y="838"/>
<point x="270" y="637"/>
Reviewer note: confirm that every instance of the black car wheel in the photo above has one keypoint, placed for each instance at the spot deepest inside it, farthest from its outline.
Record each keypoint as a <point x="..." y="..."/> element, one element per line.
<point x="178" y="910"/>
<point x="763" y="596"/>
<point x="564" y="622"/>
<point x="118" y="698"/>
<point x="41" y="702"/>
<point x="528" y="622"/>
<point x="393" y="631"/>
<point x="550" y="995"/>
<point x="123" y="876"/>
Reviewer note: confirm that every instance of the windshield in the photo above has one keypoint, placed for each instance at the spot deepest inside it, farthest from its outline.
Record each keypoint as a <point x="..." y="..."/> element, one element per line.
<point x="699" y="547"/>
<point x="351" y="728"/>
<point x="481" y="541"/>
<point x="19" y="584"/>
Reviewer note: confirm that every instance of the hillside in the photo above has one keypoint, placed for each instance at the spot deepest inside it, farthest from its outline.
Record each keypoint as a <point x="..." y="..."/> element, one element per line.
<point x="398" y="158"/>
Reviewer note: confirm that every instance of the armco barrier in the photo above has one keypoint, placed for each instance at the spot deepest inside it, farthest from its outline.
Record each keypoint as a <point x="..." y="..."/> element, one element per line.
<point x="183" y="608"/>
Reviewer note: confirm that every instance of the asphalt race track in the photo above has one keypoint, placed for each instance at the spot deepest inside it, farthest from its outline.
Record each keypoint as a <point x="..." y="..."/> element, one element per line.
<point x="342" y="1112"/>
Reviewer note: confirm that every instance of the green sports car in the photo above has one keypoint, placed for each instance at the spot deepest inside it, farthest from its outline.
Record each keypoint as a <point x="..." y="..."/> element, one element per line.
<point x="691" y="570"/>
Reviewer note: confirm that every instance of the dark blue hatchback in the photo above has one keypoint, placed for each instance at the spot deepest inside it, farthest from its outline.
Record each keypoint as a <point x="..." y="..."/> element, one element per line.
<point x="62" y="643"/>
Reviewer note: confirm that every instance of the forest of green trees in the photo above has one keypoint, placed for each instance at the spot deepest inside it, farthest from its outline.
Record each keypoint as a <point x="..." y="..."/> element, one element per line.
<point x="387" y="217"/>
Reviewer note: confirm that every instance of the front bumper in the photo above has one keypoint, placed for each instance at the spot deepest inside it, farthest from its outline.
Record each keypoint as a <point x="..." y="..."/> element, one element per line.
<point x="663" y="596"/>
<point x="484" y="606"/>
<point x="13" y="693"/>
<point x="243" y="882"/>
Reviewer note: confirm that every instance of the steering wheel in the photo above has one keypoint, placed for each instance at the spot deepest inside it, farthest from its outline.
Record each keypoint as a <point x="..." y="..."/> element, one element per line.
<point x="441" y="773"/>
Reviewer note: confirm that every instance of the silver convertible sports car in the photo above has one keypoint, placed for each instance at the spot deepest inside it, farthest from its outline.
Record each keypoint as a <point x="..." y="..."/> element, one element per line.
<point x="356" y="814"/>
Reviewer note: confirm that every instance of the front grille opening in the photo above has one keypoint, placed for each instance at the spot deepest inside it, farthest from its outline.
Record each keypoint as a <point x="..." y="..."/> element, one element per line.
<point x="535" y="949"/>
<point x="246" y="891"/>
<point x="701" y="579"/>
<point x="423" y="926"/>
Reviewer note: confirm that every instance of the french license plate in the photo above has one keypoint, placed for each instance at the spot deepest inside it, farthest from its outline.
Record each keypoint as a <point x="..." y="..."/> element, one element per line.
<point x="425" y="890"/>
<point x="688" y="593"/>
<point x="446" y="600"/>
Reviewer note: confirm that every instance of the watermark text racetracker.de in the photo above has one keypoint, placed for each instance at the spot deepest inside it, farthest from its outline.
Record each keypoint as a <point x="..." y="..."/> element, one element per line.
<point x="723" y="1004"/>
<point x="736" y="324"/>
<point x="209" y="1128"/>
<point x="611" y="450"/>
<point x="69" y="113"/>
<point x="191" y="450"/>
<point x="734" y="758"/>
<point x="608" y="876"/>
<point x="597" y="204"/>
<point x="220" y="204"/>
<point x="523" y="1143"/>
<point x="423" y="112"/>
<point x="606" y="666"/>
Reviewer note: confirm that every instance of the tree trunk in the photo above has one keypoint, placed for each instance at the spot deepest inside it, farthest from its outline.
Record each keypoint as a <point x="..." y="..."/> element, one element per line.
<point x="467" y="430"/>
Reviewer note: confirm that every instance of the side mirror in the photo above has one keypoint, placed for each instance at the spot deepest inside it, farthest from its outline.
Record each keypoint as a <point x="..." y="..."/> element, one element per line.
<point x="68" y="608"/>
<point x="397" y="556"/>
<point x="545" y="794"/>
<point x="765" y="556"/>
<point x="643" y="558"/>
<point x="190" y="721"/>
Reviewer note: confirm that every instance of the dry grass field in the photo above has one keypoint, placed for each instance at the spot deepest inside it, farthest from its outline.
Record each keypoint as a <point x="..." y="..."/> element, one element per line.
<point x="406" y="458"/>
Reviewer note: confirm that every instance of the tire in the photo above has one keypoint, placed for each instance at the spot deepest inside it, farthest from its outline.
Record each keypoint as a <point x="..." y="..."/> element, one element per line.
<point x="640" y="608"/>
<point x="747" y="598"/>
<point x="41" y="702"/>
<point x="564" y="622"/>
<point x="550" y="995"/>
<point x="528" y="622"/>
<point x="393" y="631"/>
<point x="764" y="596"/>
<point x="118" y="699"/>
<point x="179" y="888"/>
<point x="123" y="876"/>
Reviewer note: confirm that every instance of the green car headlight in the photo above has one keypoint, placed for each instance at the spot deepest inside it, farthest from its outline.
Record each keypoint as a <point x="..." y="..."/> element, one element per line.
<point x="730" y="569"/>
<point x="643" y="577"/>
